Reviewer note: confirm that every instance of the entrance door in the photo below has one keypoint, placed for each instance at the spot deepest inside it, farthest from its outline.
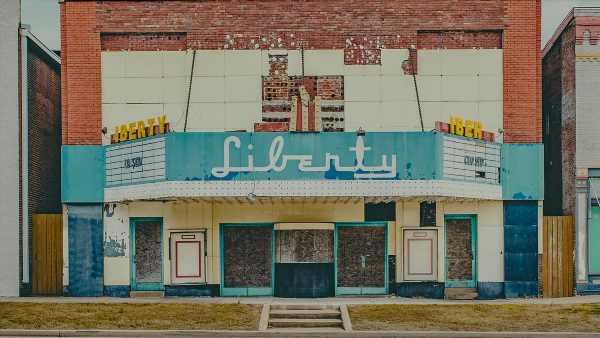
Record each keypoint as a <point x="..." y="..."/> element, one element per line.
<point x="461" y="251"/>
<point x="146" y="254"/>
<point x="247" y="264"/>
<point x="361" y="259"/>
<point x="47" y="255"/>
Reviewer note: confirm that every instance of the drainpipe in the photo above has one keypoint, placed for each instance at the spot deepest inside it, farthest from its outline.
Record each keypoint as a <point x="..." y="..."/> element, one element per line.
<point x="23" y="31"/>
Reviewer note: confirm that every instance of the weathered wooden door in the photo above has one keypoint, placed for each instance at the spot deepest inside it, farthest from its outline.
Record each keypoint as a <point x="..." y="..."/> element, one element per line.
<point x="47" y="259"/>
<point x="558" y="258"/>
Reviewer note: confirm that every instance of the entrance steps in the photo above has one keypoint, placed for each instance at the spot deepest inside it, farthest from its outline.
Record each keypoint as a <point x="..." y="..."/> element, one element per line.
<point x="461" y="293"/>
<point x="301" y="317"/>
<point x="146" y="294"/>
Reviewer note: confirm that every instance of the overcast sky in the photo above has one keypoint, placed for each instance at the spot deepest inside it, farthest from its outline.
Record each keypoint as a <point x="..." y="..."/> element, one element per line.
<point x="43" y="16"/>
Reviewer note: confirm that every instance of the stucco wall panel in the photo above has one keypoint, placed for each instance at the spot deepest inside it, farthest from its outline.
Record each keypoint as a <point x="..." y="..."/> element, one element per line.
<point x="587" y="122"/>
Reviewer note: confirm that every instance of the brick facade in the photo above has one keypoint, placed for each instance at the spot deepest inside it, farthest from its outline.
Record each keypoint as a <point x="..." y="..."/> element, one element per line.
<point x="44" y="132"/>
<point x="361" y="28"/>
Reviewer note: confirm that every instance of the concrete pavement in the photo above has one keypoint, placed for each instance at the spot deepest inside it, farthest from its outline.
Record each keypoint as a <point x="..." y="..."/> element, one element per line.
<point x="288" y="333"/>
<point x="315" y="301"/>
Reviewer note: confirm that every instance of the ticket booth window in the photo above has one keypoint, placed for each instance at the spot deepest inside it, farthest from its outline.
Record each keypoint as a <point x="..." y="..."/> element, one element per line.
<point x="188" y="258"/>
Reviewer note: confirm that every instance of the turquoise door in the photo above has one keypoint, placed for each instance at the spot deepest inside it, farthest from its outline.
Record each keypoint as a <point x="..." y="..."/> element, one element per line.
<point x="594" y="242"/>
<point x="146" y="254"/>
<point x="360" y="256"/>
<point x="247" y="264"/>
<point x="461" y="251"/>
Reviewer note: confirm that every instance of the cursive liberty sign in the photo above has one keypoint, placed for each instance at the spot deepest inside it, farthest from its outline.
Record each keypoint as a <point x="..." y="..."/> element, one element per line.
<point x="278" y="160"/>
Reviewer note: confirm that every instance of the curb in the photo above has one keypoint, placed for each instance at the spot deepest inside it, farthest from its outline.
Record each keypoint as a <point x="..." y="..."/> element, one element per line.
<point x="291" y="333"/>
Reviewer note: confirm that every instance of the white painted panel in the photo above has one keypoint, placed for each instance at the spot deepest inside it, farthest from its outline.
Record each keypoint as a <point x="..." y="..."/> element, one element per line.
<point x="243" y="88"/>
<point x="429" y="62"/>
<point x="205" y="117"/>
<point x="459" y="61"/>
<point x="208" y="89"/>
<point x="188" y="259"/>
<point x="391" y="61"/>
<point x="459" y="88"/>
<point x="362" y="69"/>
<point x="467" y="110"/>
<point x="210" y="63"/>
<point x="242" y="115"/>
<point x="363" y="115"/>
<point x="490" y="88"/>
<point x="430" y="87"/>
<point x="490" y="242"/>
<point x="490" y="114"/>
<point x="397" y="88"/>
<point x="323" y="62"/>
<point x="294" y="63"/>
<point x="243" y="62"/>
<point x="116" y="270"/>
<point x="432" y="111"/>
<point x="177" y="63"/>
<point x="143" y="64"/>
<point x="399" y="116"/>
<point x="490" y="61"/>
<point x="112" y="64"/>
<point x="420" y="254"/>
<point x="114" y="90"/>
<point x="144" y="90"/>
<point x="175" y="89"/>
<point x="362" y="88"/>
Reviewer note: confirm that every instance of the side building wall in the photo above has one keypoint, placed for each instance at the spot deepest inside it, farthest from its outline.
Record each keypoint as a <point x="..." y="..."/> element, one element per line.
<point x="9" y="157"/>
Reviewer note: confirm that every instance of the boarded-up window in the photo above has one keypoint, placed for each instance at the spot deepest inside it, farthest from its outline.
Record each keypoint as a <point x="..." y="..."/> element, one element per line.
<point x="304" y="246"/>
<point x="247" y="256"/>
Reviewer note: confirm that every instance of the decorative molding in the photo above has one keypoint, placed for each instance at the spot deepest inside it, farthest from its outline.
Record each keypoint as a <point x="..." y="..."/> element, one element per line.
<point x="318" y="188"/>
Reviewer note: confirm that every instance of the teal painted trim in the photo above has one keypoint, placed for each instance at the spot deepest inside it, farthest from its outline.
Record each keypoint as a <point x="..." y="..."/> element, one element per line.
<point x="438" y="151"/>
<point x="82" y="174"/>
<point x="245" y="292"/>
<point x="472" y="283"/>
<point x="135" y="286"/>
<point x="522" y="175"/>
<point x="343" y="291"/>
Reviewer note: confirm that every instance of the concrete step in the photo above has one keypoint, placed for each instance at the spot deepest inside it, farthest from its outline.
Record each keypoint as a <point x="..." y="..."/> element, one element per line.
<point x="304" y="307"/>
<point x="146" y="294"/>
<point x="307" y="314"/>
<point x="304" y="323"/>
<point x="461" y="293"/>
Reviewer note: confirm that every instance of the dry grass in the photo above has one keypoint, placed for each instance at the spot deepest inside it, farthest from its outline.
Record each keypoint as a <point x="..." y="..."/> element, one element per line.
<point x="129" y="316"/>
<point x="477" y="317"/>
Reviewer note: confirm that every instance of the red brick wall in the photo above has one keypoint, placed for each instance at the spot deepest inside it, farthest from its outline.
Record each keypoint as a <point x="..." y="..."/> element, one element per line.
<point x="587" y="25"/>
<point x="522" y="72"/>
<point x="81" y="93"/>
<point x="339" y="24"/>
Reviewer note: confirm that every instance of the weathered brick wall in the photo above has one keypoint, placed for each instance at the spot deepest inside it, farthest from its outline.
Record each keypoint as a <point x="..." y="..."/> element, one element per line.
<point x="44" y="131"/>
<point x="80" y="73"/>
<point x="361" y="28"/>
<point x="522" y="72"/>
<point x="552" y="125"/>
<point x="568" y="133"/>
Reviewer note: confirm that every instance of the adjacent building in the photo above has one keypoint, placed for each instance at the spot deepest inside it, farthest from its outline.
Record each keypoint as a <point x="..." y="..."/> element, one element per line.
<point x="301" y="149"/>
<point x="571" y="69"/>
<point x="30" y="181"/>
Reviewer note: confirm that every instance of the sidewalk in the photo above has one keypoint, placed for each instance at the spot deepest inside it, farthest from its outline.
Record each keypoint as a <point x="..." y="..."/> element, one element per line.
<point x="591" y="299"/>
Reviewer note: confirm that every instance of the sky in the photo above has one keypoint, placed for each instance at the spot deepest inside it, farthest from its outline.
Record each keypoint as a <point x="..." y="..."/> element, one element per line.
<point x="43" y="16"/>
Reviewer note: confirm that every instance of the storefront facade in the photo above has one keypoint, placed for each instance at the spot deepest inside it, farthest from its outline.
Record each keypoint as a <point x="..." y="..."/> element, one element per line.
<point x="299" y="163"/>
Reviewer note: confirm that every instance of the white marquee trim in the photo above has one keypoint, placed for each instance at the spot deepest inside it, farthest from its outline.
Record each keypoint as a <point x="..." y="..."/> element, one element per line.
<point x="297" y="188"/>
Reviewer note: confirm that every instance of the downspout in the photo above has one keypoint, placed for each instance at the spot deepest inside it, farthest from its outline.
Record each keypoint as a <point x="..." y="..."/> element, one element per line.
<point x="24" y="155"/>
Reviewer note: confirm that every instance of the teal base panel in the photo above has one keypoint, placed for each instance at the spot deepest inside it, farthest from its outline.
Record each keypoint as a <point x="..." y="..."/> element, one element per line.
<point x="358" y="291"/>
<point x="246" y="292"/>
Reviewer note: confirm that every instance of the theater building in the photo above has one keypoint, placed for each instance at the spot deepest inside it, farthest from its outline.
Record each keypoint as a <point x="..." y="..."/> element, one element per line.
<point x="301" y="149"/>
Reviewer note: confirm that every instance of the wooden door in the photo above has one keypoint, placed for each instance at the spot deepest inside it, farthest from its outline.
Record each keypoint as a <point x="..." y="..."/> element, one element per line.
<point x="47" y="255"/>
<point x="558" y="256"/>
